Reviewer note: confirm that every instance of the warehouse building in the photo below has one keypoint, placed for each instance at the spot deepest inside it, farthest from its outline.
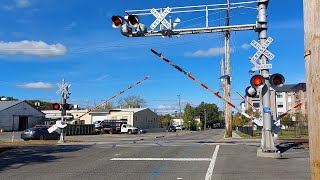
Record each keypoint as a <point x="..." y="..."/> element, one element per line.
<point x="18" y="116"/>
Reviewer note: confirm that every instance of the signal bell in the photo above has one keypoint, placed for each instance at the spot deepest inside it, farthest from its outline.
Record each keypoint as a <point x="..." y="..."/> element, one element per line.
<point x="257" y="81"/>
<point x="276" y="80"/>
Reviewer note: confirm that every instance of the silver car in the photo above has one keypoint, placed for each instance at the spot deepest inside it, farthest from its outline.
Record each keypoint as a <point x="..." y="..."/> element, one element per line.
<point x="39" y="133"/>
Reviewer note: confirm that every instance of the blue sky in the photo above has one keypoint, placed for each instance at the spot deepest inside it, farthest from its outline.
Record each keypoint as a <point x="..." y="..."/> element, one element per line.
<point x="43" y="41"/>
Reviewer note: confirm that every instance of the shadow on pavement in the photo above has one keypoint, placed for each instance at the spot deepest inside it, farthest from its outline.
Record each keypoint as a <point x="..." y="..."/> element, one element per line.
<point x="285" y="146"/>
<point x="22" y="156"/>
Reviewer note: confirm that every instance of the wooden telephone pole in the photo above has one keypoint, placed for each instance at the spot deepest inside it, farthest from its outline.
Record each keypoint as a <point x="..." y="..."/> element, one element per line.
<point x="312" y="61"/>
<point x="227" y="95"/>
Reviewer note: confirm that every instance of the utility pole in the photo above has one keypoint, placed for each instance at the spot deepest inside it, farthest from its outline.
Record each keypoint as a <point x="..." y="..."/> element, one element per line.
<point x="312" y="48"/>
<point x="205" y="119"/>
<point x="228" y="122"/>
<point x="180" y="110"/>
<point x="223" y="82"/>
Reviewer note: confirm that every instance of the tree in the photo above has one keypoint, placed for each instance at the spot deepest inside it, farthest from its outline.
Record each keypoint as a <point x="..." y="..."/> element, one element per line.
<point x="9" y="98"/>
<point x="165" y="120"/>
<point x="43" y="104"/>
<point x="255" y="114"/>
<point x="211" y="111"/>
<point x="131" y="101"/>
<point x="239" y="120"/>
<point x="189" y="117"/>
<point x="287" y="121"/>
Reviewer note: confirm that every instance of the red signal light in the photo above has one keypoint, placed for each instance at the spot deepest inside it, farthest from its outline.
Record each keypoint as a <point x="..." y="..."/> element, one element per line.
<point x="257" y="81"/>
<point x="56" y="106"/>
<point x="116" y="21"/>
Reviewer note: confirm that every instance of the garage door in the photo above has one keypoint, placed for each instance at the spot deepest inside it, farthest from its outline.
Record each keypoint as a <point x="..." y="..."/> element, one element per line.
<point x="98" y="118"/>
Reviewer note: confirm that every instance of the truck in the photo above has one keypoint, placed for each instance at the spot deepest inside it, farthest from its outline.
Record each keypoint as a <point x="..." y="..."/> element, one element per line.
<point x="115" y="126"/>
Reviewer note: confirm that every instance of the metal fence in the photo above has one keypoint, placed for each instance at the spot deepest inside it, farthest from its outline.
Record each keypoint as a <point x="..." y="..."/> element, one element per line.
<point x="247" y="130"/>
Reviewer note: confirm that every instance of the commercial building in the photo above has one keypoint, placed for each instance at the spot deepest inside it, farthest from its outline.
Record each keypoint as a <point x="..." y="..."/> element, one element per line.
<point x="19" y="115"/>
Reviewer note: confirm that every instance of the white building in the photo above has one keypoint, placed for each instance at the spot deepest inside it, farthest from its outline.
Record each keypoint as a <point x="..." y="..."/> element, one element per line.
<point x="138" y="117"/>
<point x="73" y="118"/>
<point x="18" y="116"/>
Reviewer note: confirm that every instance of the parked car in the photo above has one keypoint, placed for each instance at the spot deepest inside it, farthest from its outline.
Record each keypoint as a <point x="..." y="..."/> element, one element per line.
<point x="142" y="131"/>
<point x="39" y="133"/>
<point x="179" y="127"/>
<point x="171" y="129"/>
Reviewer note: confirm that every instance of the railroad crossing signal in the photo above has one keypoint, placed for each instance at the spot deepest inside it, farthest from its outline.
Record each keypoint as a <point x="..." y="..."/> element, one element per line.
<point x="160" y="18"/>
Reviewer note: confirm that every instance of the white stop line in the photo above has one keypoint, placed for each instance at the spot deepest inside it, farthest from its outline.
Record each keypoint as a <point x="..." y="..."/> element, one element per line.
<point x="160" y="159"/>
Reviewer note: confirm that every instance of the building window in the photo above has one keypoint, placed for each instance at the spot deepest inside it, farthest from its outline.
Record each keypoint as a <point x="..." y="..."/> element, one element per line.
<point x="279" y="95"/>
<point x="280" y="104"/>
<point x="256" y="104"/>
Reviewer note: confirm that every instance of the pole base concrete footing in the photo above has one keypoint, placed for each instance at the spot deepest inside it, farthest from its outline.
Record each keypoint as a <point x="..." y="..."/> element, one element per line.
<point x="266" y="154"/>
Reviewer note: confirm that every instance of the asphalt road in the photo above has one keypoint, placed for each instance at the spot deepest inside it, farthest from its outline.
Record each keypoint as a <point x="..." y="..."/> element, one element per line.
<point x="194" y="156"/>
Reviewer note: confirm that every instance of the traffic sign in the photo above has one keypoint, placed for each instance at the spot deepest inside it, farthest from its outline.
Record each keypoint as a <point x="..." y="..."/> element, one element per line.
<point x="160" y="18"/>
<point x="63" y="88"/>
<point x="266" y="110"/>
<point x="261" y="66"/>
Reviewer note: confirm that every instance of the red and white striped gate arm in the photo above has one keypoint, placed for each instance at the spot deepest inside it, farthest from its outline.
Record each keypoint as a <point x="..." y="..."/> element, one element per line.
<point x="247" y="101"/>
<point x="199" y="82"/>
<point x="289" y="110"/>
<point x="121" y="92"/>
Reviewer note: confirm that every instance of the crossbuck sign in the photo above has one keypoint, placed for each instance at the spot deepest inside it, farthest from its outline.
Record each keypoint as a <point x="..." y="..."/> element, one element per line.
<point x="160" y="18"/>
<point x="63" y="88"/>
<point x="262" y="50"/>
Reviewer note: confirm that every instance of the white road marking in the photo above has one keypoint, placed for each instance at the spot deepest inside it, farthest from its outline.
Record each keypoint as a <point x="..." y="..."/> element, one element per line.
<point x="160" y="159"/>
<point x="212" y="163"/>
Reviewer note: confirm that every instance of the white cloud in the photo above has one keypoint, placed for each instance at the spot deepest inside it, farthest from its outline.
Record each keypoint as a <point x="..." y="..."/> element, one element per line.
<point x="207" y="53"/>
<point x="23" y="3"/>
<point x="102" y="77"/>
<point x="36" y="85"/>
<point x="35" y="48"/>
<point x="245" y="46"/>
